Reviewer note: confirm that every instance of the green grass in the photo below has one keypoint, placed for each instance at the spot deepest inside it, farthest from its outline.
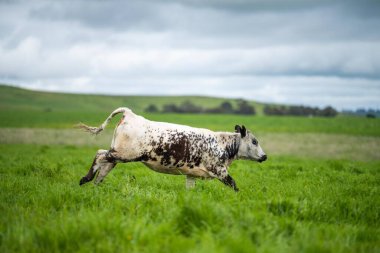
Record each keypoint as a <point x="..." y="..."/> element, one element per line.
<point x="278" y="124"/>
<point x="25" y="108"/>
<point x="12" y="98"/>
<point x="258" y="124"/>
<point x="287" y="204"/>
<point x="308" y="145"/>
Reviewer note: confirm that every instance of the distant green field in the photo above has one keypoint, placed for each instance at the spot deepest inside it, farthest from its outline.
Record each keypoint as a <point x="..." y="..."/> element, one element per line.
<point x="318" y="192"/>
<point x="23" y="108"/>
<point x="12" y="98"/>
<point x="259" y="124"/>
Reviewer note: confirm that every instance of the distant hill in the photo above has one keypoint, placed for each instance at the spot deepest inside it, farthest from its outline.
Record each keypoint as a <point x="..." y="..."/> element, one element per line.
<point x="14" y="98"/>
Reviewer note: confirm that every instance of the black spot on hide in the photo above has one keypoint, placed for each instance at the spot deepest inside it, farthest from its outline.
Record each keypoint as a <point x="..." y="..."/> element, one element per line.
<point x="180" y="149"/>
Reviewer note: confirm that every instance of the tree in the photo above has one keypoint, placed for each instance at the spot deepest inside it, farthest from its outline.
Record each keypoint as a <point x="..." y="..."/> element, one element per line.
<point x="329" y="112"/>
<point x="226" y="107"/>
<point x="245" y="108"/>
<point x="151" y="109"/>
<point x="170" y="108"/>
<point x="188" y="107"/>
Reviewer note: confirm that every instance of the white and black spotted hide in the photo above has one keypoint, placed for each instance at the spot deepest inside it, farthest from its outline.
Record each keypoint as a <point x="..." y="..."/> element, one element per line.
<point x="173" y="149"/>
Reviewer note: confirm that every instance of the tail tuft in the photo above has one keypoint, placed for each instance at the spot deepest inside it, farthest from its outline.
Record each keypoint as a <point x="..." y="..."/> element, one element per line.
<point x="97" y="130"/>
<point x="90" y="129"/>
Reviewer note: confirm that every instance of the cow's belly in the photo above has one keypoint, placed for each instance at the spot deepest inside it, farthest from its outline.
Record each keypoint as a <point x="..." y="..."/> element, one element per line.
<point x="195" y="172"/>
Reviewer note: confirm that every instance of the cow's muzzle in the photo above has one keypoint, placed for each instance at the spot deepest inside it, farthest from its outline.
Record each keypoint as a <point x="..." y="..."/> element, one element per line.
<point x="262" y="159"/>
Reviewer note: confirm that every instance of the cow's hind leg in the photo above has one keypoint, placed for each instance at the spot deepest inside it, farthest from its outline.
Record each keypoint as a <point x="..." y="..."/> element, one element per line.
<point x="99" y="161"/>
<point x="103" y="172"/>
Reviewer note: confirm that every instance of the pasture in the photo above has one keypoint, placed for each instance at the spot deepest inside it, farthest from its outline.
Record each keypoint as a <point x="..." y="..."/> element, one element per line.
<point x="318" y="192"/>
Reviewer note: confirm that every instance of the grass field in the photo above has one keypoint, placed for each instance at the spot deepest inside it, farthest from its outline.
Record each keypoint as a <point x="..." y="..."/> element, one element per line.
<point x="285" y="205"/>
<point x="20" y="99"/>
<point x="318" y="192"/>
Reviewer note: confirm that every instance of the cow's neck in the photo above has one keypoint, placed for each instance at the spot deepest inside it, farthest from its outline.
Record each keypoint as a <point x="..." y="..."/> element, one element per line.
<point x="232" y="148"/>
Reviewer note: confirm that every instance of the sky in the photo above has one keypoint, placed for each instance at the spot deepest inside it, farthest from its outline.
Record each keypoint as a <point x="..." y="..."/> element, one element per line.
<point x="304" y="52"/>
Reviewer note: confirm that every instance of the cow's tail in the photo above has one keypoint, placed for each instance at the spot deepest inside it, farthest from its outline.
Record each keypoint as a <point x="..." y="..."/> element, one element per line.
<point x="97" y="130"/>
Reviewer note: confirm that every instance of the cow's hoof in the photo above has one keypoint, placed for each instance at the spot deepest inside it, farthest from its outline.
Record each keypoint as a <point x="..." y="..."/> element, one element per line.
<point x="83" y="180"/>
<point x="236" y="189"/>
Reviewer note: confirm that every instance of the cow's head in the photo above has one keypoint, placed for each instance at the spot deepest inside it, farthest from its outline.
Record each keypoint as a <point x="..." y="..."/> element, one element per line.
<point x="249" y="147"/>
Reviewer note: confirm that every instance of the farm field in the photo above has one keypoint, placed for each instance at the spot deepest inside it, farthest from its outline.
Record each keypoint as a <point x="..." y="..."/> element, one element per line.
<point x="288" y="204"/>
<point x="318" y="192"/>
<point x="259" y="124"/>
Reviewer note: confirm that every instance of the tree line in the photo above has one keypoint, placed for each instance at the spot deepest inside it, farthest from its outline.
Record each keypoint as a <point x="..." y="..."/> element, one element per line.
<point x="243" y="107"/>
<point x="294" y="110"/>
<point x="369" y="113"/>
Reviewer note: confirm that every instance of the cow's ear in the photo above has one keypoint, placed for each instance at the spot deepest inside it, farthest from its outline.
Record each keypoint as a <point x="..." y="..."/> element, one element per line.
<point x="243" y="131"/>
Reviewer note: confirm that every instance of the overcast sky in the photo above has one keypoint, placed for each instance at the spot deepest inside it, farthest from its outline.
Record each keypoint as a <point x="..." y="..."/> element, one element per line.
<point x="284" y="51"/>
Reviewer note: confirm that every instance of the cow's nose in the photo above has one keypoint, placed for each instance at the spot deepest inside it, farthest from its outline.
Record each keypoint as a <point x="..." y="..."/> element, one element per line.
<point x="263" y="158"/>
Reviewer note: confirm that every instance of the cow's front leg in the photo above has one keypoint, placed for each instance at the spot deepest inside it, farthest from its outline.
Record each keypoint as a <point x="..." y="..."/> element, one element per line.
<point x="228" y="180"/>
<point x="222" y="174"/>
<point x="190" y="182"/>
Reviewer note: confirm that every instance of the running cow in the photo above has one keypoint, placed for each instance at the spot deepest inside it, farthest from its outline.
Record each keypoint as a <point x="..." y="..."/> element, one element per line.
<point x="173" y="149"/>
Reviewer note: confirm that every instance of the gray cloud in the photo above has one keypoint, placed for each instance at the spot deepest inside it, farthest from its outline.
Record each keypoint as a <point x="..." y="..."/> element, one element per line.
<point x="103" y="14"/>
<point x="285" y="51"/>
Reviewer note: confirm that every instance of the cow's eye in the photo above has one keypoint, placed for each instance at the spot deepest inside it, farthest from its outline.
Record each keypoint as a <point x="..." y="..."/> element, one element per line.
<point x="254" y="142"/>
